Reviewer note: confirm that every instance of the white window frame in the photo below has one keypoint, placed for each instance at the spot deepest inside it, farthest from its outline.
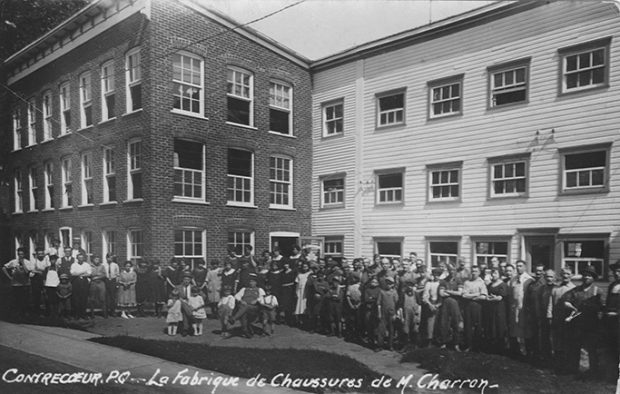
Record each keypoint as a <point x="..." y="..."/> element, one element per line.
<point x="108" y="89"/>
<point x="389" y="195"/>
<point x="486" y="257"/>
<point x="32" y="122"/>
<point x="241" y="178"/>
<point x="579" y="262"/>
<point x="333" y="195"/>
<point x="86" y="175"/>
<point x="108" y="243"/>
<point x="191" y="244"/>
<point x="48" y="175"/>
<point x="333" y="124"/>
<point x="134" y="166"/>
<point x="17" y="243"/>
<point x="109" y="173"/>
<point x="578" y="51"/>
<point x="279" y="94"/>
<point x="232" y="94"/>
<point x="275" y="182"/>
<point x="33" y="189"/>
<point x="509" y="84"/>
<point x="86" y="100"/>
<point x="235" y="242"/>
<point x="134" y="247"/>
<point x="18" y="191"/>
<point x="64" y="97"/>
<point x="389" y="117"/>
<point x="86" y="242"/>
<point x="493" y="179"/>
<point x="448" y="168"/>
<point x="66" y="180"/>
<point x="47" y="116"/>
<point x="606" y="149"/>
<point x="442" y="257"/>
<point x="32" y="243"/>
<point x="440" y="87"/>
<point x="333" y="246"/>
<point x="184" y="86"/>
<point x="133" y="78"/>
<point x="69" y="238"/>
<point x="394" y="240"/>
<point x="183" y="171"/>
<point x="17" y="129"/>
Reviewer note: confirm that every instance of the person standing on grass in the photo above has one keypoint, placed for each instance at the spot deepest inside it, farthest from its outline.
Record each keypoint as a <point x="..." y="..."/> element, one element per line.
<point x="39" y="262"/>
<point x="229" y="275"/>
<point x="112" y="282"/>
<point x="334" y="299"/>
<point x="127" y="290"/>
<point x="352" y="308"/>
<point x="66" y="262"/>
<point x="386" y="310"/>
<point x="18" y="271"/>
<point x="52" y="280"/>
<point x="143" y="287"/>
<point x="80" y="273"/>
<point x="496" y="323"/>
<point x="533" y="312"/>
<point x="200" y="277"/>
<point x="411" y="311"/>
<point x="287" y="301"/>
<point x="174" y="315"/>
<point x="301" y="291"/>
<point x="474" y="292"/>
<point x="369" y="300"/>
<point x="268" y="304"/>
<point x="64" y="291"/>
<point x="225" y="308"/>
<point x="97" y="292"/>
<point x="197" y="303"/>
<point x="185" y="291"/>
<point x="559" y="331"/>
<point x="517" y="319"/>
<point x="214" y="286"/>
<point x="545" y="313"/>
<point x="431" y="303"/>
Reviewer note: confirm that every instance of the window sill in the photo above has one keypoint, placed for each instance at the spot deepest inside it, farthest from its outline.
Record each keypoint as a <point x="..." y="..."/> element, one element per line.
<point x="86" y="206"/>
<point x="33" y="211"/>
<point x="64" y="134"/>
<point x="282" y="134"/>
<point x="390" y="127"/>
<point x="109" y="203"/>
<point x="136" y="200"/>
<point x="85" y="128"/>
<point x="188" y="201"/>
<point x="244" y="126"/>
<point x="188" y="113"/>
<point x="30" y="146"/>
<point x="446" y="201"/>
<point x="593" y="190"/>
<point x="47" y="141"/>
<point x="334" y="206"/>
<point x="447" y="116"/>
<point x="281" y="208"/>
<point x="390" y="204"/>
<point x="65" y="209"/>
<point x="107" y="121"/>
<point x="332" y="136"/>
<point x="16" y="213"/>
<point x="571" y="92"/>
<point x="131" y="113"/>
<point x="48" y="210"/>
<point x="507" y="106"/>
<point x="240" y="205"/>
<point x="513" y="197"/>
<point x="16" y="150"/>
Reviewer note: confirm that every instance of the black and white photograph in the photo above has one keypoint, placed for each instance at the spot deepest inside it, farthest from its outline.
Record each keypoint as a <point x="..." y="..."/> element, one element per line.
<point x="319" y="196"/>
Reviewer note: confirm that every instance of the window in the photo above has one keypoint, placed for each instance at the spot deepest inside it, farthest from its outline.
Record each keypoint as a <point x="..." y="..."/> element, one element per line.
<point x="579" y="254"/>
<point x="65" y="235"/>
<point x="187" y="82"/>
<point x="47" y="116"/>
<point x="189" y="170"/>
<point x="109" y="176"/>
<point x="240" y="177"/>
<point x="134" y="159"/>
<point x="240" y="95"/>
<point x="189" y="244"/>
<point x="17" y="129"/>
<point x="87" y="178"/>
<point x="585" y="170"/>
<point x="19" y="193"/>
<point x="585" y="66"/>
<point x="135" y="245"/>
<point x="443" y="252"/>
<point x="87" y="243"/>
<point x="17" y="242"/>
<point x="32" y="122"/>
<point x="508" y="83"/>
<point x="33" y="201"/>
<point x="280" y="108"/>
<point x="444" y="184"/>
<point x="280" y="182"/>
<point x="48" y="174"/>
<point x="391" y="109"/>
<point x="108" y="96"/>
<point x="332" y="192"/>
<point x="108" y="244"/>
<point x="67" y="193"/>
<point x="65" y="108"/>
<point x="238" y="240"/>
<point x="485" y="250"/>
<point x="86" y="109"/>
<point x="508" y="177"/>
<point x="134" y="79"/>
<point x="334" y="247"/>
<point x="445" y="97"/>
<point x="389" y="247"/>
<point x="390" y="188"/>
<point x="49" y="239"/>
<point x="333" y="119"/>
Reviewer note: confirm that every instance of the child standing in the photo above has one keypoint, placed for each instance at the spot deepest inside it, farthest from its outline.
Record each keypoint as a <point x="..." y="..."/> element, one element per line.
<point x="386" y="305"/>
<point x="51" y="284"/>
<point x="225" y="308"/>
<point x="64" y="292"/>
<point x="269" y="304"/>
<point x="174" y="313"/>
<point x="197" y="303"/>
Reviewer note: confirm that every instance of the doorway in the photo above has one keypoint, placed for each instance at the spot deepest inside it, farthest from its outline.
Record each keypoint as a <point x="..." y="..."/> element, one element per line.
<point x="540" y="250"/>
<point x="284" y="241"/>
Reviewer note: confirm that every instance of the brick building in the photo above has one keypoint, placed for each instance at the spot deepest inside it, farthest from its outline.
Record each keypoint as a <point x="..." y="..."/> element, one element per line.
<point x="154" y="129"/>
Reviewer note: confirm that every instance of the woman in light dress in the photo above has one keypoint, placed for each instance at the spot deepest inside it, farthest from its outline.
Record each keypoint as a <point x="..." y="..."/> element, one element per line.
<point x="301" y="280"/>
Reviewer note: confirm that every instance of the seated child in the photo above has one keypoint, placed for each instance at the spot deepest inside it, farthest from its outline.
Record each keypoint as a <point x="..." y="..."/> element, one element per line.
<point x="64" y="292"/>
<point x="174" y="313"/>
<point x="197" y="303"/>
<point x="225" y="308"/>
<point x="269" y="303"/>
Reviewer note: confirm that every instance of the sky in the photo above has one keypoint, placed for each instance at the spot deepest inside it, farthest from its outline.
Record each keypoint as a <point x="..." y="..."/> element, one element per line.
<point x="318" y="28"/>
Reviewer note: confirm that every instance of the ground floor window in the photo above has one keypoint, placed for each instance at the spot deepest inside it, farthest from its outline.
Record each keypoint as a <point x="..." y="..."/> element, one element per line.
<point x="389" y="247"/>
<point x="581" y="254"/>
<point x="238" y="240"/>
<point x="189" y="245"/>
<point x="135" y="245"/>
<point x="485" y="251"/>
<point x="334" y="247"/>
<point x="443" y="252"/>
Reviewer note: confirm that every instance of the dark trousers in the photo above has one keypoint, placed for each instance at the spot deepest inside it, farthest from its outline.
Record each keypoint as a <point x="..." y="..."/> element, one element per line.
<point x="111" y="294"/>
<point x="36" y="286"/>
<point x="246" y="314"/>
<point x="186" y="310"/>
<point x="473" y="323"/>
<point x="21" y="299"/>
<point x="386" y="325"/>
<point x="79" y="297"/>
<point x="545" y="339"/>
<point x="51" y="301"/>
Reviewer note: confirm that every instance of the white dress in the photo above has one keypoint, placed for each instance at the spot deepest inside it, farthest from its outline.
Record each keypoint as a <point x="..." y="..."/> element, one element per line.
<point x="302" y="278"/>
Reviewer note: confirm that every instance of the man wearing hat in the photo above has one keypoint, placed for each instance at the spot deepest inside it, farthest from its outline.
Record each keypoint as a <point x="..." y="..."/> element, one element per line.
<point x="185" y="291"/>
<point x="249" y="299"/>
<point x="386" y="305"/>
<point x="584" y="302"/>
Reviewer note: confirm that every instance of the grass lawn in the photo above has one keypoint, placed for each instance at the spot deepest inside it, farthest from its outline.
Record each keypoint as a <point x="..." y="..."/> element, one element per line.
<point x="512" y="376"/>
<point x="249" y="362"/>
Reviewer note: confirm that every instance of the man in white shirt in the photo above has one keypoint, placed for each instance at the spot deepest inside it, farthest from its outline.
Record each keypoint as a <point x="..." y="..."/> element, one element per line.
<point x="474" y="291"/>
<point x="249" y="299"/>
<point x="40" y="262"/>
<point x="18" y="271"/>
<point x="80" y="272"/>
<point x="112" y="272"/>
<point x="517" y="319"/>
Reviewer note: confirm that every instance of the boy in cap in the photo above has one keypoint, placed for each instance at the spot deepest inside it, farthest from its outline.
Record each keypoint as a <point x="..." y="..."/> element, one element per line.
<point x="64" y="292"/>
<point x="334" y="306"/>
<point x="225" y="308"/>
<point x="386" y="308"/>
<point x="269" y="303"/>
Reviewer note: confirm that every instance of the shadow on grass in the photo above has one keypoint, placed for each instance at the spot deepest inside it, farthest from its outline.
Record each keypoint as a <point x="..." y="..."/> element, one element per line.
<point x="47" y="321"/>
<point x="249" y="362"/>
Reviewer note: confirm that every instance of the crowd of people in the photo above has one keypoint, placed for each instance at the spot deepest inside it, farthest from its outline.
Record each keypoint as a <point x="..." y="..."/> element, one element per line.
<point x="385" y="303"/>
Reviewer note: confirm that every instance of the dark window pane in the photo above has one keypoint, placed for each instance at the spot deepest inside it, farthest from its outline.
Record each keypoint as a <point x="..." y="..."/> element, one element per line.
<point x="110" y="106"/>
<point x="521" y="185"/>
<point x="390" y="180"/>
<point x="454" y="190"/>
<point x="571" y="81"/>
<point x="584" y="78"/>
<point x="498" y="186"/>
<point x="389" y="248"/>
<point x="571" y="63"/>
<point x="586" y="160"/>
<point x="598" y="75"/>
<point x="444" y="247"/>
<point x="571" y="179"/>
<point x="188" y="154"/>
<point x="238" y="111"/>
<point x="391" y="102"/>
<point x="598" y="177"/>
<point x="239" y="162"/>
<point x="137" y="185"/>
<point x="136" y="97"/>
<point x="279" y="121"/>
<point x="509" y="97"/>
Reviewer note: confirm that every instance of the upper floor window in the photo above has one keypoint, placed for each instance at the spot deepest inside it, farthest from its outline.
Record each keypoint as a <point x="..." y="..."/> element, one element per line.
<point x="67" y="194"/>
<point x="135" y="245"/>
<point x="134" y="175"/>
<point x="187" y="81"/>
<point x="333" y="119"/>
<point x="240" y="93"/>
<point x="444" y="182"/>
<point x="108" y="95"/>
<point x="280" y="108"/>
<point x="332" y="191"/>
<point x="109" y="175"/>
<point x="48" y="175"/>
<point x="240" y="177"/>
<point x="134" y="80"/>
<point x="445" y="97"/>
<point x="508" y="83"/>
<point x="391" y="109"/>
<point x="33" y="186"/>
<point x="189" y="169"/>
<point x="585" y="66"/>
<point x="390" y="187"/>
<point x="87" y="178"/>
<point x="18" y="191"/>
<point x="509" y="177"/>
<point x="32" y="122"/>
<point x="280" y="182"/>
<point x="17" y="129"/>
<point x="65" y="108"/>
<point x="86" y="102"/>
<point x="47" y="116"/>
<point x="585" y="169"/>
